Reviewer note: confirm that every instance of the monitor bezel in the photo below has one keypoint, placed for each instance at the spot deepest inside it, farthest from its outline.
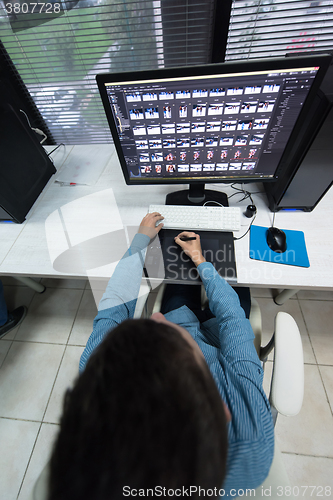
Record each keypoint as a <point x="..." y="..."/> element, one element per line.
<point x="239" y="66"/>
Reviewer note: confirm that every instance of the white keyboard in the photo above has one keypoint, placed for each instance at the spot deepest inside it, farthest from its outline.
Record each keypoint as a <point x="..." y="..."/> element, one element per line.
<point x="193" y="218"/>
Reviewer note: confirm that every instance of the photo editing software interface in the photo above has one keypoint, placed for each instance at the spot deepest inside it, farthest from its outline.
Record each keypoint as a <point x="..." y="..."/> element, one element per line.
<point x="212" y="127"/>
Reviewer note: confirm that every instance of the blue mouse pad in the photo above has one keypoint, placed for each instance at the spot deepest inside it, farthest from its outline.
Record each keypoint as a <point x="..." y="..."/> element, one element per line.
<point x="295" y="255"/>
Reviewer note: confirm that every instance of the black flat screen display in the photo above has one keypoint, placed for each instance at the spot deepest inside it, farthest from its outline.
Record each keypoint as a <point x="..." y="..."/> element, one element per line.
<point x="207" y="124"/>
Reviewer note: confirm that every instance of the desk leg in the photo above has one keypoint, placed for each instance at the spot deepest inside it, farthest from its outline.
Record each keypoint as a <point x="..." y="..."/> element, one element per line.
<point x="283" y="296"/>
<point x="31" y="284"/>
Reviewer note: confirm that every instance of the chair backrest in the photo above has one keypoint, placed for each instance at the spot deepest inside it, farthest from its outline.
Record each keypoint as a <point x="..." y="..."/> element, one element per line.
<point x="256" y="323"/>
<point x="286" y="391"/>
<point x="287" y="386"/>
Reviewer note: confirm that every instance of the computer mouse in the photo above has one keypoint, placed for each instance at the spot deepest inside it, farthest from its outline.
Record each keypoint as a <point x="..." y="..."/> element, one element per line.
<point x="276" y="239"/>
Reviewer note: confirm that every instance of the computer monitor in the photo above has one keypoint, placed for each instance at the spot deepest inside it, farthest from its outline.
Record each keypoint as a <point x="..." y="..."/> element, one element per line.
<point x="229" y="122"/>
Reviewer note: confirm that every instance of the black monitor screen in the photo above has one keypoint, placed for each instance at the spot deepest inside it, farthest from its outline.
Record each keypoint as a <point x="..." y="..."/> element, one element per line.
<point x="223" y="122"/>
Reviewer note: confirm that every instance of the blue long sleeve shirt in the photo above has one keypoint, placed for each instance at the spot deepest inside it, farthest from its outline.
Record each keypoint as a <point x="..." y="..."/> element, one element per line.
<point x="226" y="342"/>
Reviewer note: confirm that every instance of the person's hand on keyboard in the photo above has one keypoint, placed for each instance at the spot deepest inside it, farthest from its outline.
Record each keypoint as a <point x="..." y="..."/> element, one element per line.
<point x="192" y="248"/>
<point x="148" y="224"/>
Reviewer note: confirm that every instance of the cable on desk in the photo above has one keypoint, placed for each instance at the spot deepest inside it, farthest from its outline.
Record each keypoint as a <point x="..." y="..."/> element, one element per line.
<point x="246" y="194"/>
<point x="53" y="150"/>
<point x="37" y="130"/>
<point x="252" y="221"/>
<point x="213" y="201"/>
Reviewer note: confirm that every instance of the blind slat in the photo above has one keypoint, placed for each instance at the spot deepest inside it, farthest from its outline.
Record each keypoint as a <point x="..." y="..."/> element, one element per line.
<point x="271" y="29"/>
<point x="59" y="58"/>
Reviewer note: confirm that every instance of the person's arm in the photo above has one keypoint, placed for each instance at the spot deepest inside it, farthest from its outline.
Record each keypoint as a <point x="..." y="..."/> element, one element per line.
<point x="119" y="299"/>
<point x="123" y="286"/>
<point x="235" y="331"/>
<point x="240" y="382"/>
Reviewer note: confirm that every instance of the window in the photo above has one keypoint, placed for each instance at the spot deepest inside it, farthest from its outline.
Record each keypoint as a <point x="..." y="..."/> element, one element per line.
<point x="59" y="47"/>
<point x="273" y="28"/>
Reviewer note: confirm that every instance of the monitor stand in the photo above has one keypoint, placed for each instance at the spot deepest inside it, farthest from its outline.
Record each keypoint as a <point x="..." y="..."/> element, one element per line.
<point x="197" y="195"/>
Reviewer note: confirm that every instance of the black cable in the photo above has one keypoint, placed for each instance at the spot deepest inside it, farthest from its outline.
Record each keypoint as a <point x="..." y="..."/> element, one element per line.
<point x="53" y="150"/>
<point x="252" y="221"/>
<point x="246" y="194"/>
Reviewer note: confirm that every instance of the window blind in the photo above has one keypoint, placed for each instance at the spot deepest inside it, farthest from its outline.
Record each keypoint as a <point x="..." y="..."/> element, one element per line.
<point x="59" y="52"/>
<point x="274" y="28"/>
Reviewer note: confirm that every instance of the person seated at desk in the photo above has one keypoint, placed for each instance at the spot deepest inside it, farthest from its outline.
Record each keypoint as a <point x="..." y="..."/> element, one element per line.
<point x="165" y="402"/>
<point x="9" y="320"/>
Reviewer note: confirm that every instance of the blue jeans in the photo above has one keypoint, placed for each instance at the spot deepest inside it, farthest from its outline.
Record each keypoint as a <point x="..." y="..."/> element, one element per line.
<point x="3" y="307"/>
<point x="176" y="296"/>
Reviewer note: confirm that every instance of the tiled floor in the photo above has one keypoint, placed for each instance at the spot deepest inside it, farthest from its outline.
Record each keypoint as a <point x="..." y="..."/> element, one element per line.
<point x="39" y="360"/>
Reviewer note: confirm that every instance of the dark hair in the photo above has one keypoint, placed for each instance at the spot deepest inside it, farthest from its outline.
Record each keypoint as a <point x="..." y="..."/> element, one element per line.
<point x="144" y="413"/>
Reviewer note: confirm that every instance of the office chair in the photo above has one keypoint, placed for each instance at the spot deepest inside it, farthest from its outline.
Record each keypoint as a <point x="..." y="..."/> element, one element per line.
<point x="286" y="390"/>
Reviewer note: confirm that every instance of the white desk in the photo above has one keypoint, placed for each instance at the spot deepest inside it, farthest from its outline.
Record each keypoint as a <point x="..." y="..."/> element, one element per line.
<point x="31" y="248"/>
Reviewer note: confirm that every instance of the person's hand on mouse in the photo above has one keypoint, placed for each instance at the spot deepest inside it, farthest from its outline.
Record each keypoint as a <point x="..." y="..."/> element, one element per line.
<point x="148" y="224"/>
<point x="192" y="248"/>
